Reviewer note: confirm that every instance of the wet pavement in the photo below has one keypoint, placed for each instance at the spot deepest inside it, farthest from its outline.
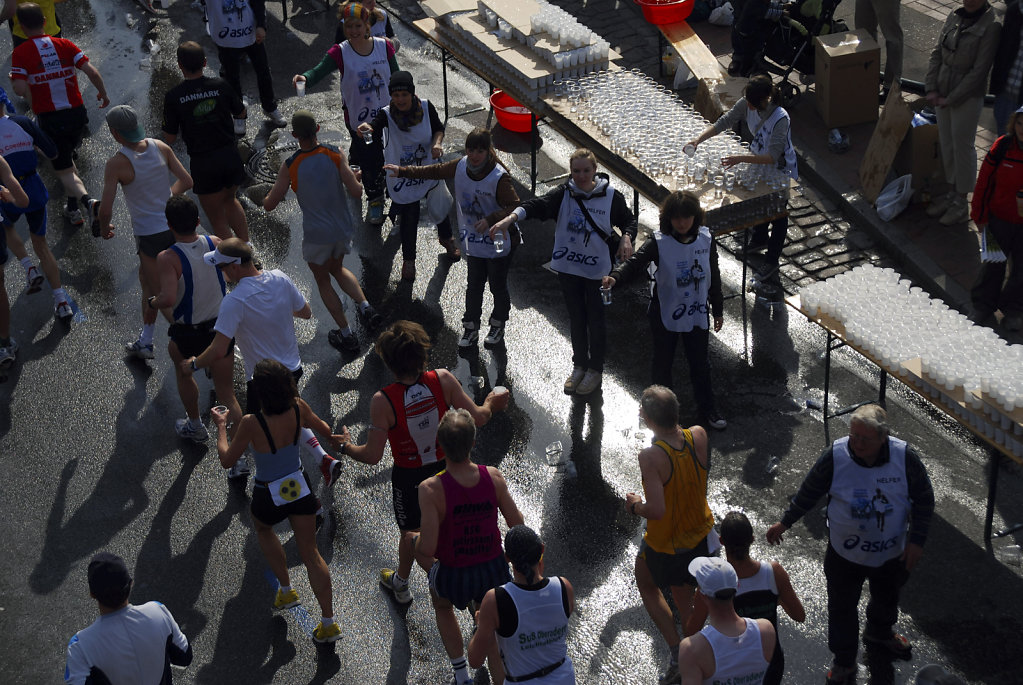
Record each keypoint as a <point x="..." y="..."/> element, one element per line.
<point x="90" y="460"/>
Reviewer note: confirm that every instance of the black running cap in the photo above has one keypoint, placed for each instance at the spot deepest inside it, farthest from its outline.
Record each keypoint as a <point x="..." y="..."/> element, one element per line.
<point x="523" y="547"/>
<point x="109" y="580"/>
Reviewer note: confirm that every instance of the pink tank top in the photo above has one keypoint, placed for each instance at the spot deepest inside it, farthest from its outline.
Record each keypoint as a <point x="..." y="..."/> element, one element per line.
<point x="469" y="534"/>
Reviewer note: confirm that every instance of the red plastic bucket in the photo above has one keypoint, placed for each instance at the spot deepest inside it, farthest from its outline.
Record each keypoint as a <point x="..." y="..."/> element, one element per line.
<point x="510" y="112"/>
<point x="661" y="12"/>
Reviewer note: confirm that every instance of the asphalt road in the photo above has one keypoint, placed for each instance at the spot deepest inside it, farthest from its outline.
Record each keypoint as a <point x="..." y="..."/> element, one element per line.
<point x="90" y="460"/>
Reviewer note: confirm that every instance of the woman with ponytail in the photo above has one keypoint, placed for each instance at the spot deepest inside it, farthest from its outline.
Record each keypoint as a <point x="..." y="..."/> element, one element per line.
<point x="527" y="617"/>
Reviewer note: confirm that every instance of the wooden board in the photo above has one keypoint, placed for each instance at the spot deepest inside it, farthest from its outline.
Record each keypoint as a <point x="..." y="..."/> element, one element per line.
<point x="885" y="143"/>
<point x="515" y="12"/>
<point x="438" y="8"/>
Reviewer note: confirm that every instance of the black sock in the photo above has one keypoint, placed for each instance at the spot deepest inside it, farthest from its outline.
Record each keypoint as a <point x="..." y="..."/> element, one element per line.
<point x="72" y="204"/>
<point x="85" y="200"/>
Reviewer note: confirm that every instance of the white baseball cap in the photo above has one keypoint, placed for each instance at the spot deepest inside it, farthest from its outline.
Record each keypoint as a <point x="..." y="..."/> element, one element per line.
<point x="714" y="575"/>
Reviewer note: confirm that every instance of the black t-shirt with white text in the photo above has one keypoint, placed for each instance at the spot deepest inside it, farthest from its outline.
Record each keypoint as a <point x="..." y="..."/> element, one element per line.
<point x="202" y="110"/>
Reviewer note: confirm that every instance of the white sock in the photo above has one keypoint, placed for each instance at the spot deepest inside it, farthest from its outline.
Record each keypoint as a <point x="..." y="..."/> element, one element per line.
<point x="327" y="621"/>
<point x="461" y="669"/>
<point x="364" y="305"/>
<point x="59" y="295"/>
<point x="146" y="336"/>
<point x="285" y="589"/>
<point x="311" y="443"/>
<point x="27" y="263"/>
<point x="346" y="331"/>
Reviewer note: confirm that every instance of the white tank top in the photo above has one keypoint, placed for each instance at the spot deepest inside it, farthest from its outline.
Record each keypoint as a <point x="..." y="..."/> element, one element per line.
<point x="409" y="148"/>
<point x="539" y="640"/>
<point x="476" y="200"/>
<point x="868" y="509"/>
<point x="578" y="249"/>
<point x="364" y="83"/>
<point x="201" y="286"/>
<point x="736" y="659"/>
<point x="379" y="29"/>
<point x="147" y="195"/>
<point x="683" y="281"/>
<point x="230" y="23"/>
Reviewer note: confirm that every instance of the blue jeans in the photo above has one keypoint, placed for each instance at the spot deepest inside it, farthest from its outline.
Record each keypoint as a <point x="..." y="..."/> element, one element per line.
<point x="1005" y="105"/>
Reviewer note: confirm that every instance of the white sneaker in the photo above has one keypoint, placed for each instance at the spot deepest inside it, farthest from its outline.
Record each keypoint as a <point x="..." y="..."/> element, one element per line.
<point x="402" y="595"/>
<point x="589" y="383"/>
<point x="63" y="311"/>
<point x="940" y="204"/>
<point x="189" y="431"/>
<point x="573" y="380"/>
<point x="276" y="118"/>
<point x="240" y="469"/>
<point x="470" y="334"/>
<point x="137" y="349"/>
<point x="8" y="353"/>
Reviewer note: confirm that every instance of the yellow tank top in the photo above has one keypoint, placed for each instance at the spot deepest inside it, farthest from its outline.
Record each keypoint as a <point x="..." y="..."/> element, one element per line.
<point x="687" y="518"/>
<point x="49" y="11"/>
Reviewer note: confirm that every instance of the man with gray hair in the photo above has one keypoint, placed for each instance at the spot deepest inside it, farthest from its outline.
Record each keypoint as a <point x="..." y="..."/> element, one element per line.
<point x="880" y="504"/>
<point x="460" y="543"/>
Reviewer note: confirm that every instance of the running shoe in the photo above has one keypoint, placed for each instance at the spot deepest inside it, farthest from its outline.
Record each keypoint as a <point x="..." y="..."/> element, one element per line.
<point x="371" y="317"/>
<point x="897" y="645"/>
<point x="589" y="383"/>
<point x="63" y="311"/>
<point x="470" y="334"/>
<point x="74" y="215"/>
<point x="841" y="675"/>
<point x="451" y="247"/>
<point x="715" y="421"/>
<point x="331" y="633"/>
<point x="276" y="118"/>
<point x="239" y="128"/>
<point x="35" y="279"/>
<point x="495" y="337"/>
<point x="138" y="350"/>
<point x="402" y="595"/>
<point x="345" y="343"/>
<point x="8" y="353"/>
<point x="330" y="468"/>
<point x="189" y="431"/>
<point x="239" y="470"/>
<point x="286" y="600"/>
<point x="573" y="380"/>
<point x="92" y="209"/>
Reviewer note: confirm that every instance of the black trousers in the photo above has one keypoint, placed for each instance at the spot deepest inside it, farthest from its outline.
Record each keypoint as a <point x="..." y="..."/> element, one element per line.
<point x="696" y="345"/>
<point x="845" y="585"/>
<point x="988" y="294"/>
<point x="776" y="241"/>
<point x="230" y="68"/>
<point x="586" y="320"/>
<point x="371" y="158"/>
<point x="480" y="272"/>
<point x="409" y="217"/>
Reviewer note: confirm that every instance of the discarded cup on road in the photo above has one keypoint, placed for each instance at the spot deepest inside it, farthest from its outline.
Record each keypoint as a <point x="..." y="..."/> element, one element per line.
<point x="554" y="453"/>
<point x="1010" y="556"/>
<point x="772" y="466"/>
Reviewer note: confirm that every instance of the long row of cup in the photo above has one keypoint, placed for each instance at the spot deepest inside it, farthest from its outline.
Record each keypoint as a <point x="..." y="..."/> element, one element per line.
<point x="966" y="367"/>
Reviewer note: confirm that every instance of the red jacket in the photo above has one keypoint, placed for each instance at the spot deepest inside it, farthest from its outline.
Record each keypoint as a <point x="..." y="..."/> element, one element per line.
<point x="997" y="185"/>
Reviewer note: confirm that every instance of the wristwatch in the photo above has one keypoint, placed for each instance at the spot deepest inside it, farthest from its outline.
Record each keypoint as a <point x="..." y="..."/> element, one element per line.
<point x="192" y="364"/>
<point x="149" y="301"/>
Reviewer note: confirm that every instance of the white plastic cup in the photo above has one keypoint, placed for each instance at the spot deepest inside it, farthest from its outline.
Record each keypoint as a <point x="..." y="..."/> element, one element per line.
<point x="500" y="390"/>
<point x="605" y="295"/>
<point x="300" y="88"/>
<point x="219" y="410"/>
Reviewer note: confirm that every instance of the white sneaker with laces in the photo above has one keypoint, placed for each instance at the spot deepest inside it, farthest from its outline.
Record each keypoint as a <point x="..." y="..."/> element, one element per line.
<point x="191" y="431"/>
<point x="62" y="310"/>
<point x="572" y="382"/>
<point x="589" y="383"/>
<point x="240" y="469"/>
<point x="276" y="118"/>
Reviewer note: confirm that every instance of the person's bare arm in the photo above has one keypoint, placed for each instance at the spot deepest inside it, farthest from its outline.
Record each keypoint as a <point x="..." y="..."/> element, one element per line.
<point x="456" y="397"/>
<point x="653" y="486"/>
<point x="381" y="418"/>
<point x="216" y="350"/>
<point x="184" y="179"/>
<point x="509" y="510"/>
<point x="483" y="639"/>
<point x="700" y="443"/>
<point x="787" y="596"/>
<point x="279" y="190"/>
<point x="111" y="179"/>
<point x="231" y="453"/>
<point x="11" y="192"/>
<point x="314" y="423"/>
<point x="431" y="494"/>
<point x="168" y="266"/>
<point x="101" y="90"/>
<point x="305" y="312"/>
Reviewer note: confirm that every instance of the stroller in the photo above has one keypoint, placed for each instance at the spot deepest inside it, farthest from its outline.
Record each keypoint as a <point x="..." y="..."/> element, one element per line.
<point x="789" y="43"/>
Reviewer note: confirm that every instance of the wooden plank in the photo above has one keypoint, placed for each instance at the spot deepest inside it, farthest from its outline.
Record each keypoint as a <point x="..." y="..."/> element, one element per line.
<point x="438" y="8"/>
<point x="885" y="143"/>
<point x="693" y="51"/>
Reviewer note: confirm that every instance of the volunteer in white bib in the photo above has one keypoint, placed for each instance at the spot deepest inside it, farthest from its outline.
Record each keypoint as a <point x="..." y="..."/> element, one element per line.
<point x="379" y="27"/>
<point x="365" y="63"/>
<point x="686" y="288"/>
<point x="414" y="133"/>
<point x="767" y="127"/>
<point x="880" y="504"/>
<point x="282" y="489"/>
<point x="587" y="210"/>
<point x="484" y="194"/>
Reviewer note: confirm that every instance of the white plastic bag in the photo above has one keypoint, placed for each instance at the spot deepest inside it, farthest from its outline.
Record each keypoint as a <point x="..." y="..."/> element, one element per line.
<point x="438" y="203"/>
<point x="895" y="197"/>
<point x="722" y="16"/>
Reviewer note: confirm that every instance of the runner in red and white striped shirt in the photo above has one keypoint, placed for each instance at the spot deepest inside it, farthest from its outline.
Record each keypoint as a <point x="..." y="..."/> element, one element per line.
<point x="43" y="72"/>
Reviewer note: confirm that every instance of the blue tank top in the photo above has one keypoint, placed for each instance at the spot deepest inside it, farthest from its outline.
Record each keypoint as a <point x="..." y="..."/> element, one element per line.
<point x="277" y="463"/>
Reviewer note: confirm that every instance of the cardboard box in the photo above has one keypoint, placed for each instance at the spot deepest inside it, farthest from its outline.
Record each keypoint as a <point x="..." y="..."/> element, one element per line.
<point x="920" y="155"/>
<point x="848" y="75"/>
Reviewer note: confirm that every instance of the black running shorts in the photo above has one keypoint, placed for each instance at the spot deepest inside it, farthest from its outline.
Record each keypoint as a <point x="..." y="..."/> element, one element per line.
<point x="405" y="493"/>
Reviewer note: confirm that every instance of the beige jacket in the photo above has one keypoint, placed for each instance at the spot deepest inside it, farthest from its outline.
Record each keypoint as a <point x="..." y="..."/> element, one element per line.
<point x="961" y="60"/>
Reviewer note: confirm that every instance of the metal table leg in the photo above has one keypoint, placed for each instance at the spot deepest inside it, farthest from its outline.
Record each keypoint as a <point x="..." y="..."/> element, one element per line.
<point x="444" y="72"/>
<point x="827" y="385"/>
<point x="635" y="203"/>
<point x="532" y="156"/>
<point x="742" y="298"/>
<point x="992" y="492"/>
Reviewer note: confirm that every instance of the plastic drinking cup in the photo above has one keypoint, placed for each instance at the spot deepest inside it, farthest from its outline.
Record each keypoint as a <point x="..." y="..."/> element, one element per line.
<point x="605" y="295"/>
<point x="300" y="88"/>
